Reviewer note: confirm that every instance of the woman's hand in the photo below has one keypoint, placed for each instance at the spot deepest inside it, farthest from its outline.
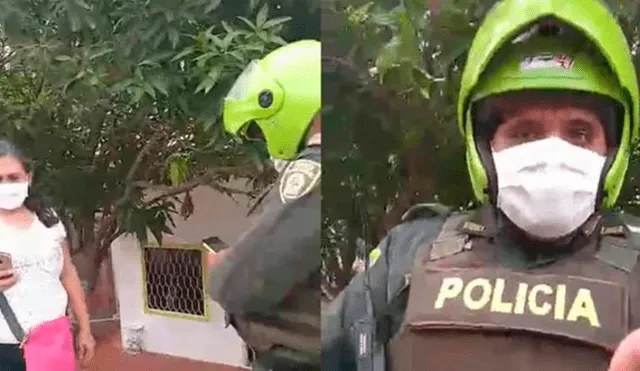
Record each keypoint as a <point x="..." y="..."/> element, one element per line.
<point x="86" y="346"/>
<point x="7" y="279"/>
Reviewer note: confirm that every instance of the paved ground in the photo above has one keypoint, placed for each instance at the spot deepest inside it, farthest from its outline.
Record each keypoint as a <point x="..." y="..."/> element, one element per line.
<point x="110" y="357"/>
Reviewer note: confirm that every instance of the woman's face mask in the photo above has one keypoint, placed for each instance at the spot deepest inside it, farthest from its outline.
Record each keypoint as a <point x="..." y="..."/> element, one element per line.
<point x="548" y="187"/>
<point x="12" y="195"/>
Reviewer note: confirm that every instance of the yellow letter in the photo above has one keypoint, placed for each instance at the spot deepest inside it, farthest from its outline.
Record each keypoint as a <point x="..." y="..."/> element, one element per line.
<point x="543" y="309"/>
<point x="497" y="305"/>
<point x="561" y="302"/>
<point x="469" y="302"/>
<point x="449" y="289"/>
<point x="521" y="298"/>
<point x="583" y="306"/>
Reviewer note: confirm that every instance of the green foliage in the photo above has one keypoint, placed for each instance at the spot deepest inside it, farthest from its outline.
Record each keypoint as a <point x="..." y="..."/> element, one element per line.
<point x="391" y="76"/>
<point x="118" y="103"/>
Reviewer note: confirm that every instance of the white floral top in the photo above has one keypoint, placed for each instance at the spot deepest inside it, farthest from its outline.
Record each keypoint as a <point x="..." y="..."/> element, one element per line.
<point x="38" y="296"/>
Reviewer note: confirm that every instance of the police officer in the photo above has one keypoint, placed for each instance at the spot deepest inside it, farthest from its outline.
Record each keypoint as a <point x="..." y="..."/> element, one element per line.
<point x="544" y="275"/>
<point x="268" y="282"/>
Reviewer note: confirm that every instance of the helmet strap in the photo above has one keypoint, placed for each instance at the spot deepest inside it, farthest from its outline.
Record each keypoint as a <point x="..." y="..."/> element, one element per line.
<point x="602" y="193"/>
<point x="483" y="128"/>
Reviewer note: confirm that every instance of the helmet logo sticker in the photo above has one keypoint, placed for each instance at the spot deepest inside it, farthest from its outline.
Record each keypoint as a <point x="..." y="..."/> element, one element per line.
<point x="298" y="179"/>
<point x="546" y="61"/>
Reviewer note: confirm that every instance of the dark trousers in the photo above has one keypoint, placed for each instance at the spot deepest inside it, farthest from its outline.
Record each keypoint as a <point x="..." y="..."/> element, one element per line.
<point x="11" y="358"/>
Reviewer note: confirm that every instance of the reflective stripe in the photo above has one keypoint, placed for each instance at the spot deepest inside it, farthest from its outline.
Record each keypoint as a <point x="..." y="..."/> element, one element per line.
<point x="373" y="256"/>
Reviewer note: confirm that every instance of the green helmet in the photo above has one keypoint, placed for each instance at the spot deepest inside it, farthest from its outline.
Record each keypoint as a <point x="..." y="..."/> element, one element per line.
<point x="280" y="93"/>
<point x="495" y="64"/>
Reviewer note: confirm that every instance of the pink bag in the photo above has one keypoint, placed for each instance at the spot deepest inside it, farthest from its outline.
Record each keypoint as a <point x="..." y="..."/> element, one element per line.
<point x="48" y="346"/>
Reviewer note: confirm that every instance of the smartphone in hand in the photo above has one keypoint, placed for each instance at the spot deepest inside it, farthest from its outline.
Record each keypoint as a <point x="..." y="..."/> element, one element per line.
<point x="214" y="244"/>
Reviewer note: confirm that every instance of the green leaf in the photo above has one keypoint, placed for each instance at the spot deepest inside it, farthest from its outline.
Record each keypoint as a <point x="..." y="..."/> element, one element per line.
<point x="174" y="37"/>
<point x="204" y="58"/>
<point x="248" y="22"/>
<point x="73" y="81"/>
<point x="226" y="42"/>
<point x="210" y="81"/>
<point x="100" y="53"/>
<point x="388" y="56"/>
<point x="177" y="169"/>
<point x="206" y="85"/>
<point x="237" y="56"/>
<point x="169" y="16"/>
<point x="214" y="73"/>
<point x="262" y="16"/>
<point x="76" y="22"/>
<point x="208" y="123"/>
<point x="217" y="41"/>
<point x="213" y="5"/>
<point x="160" y="83"/>
<point x="185" y="52"/>
<point x="82" y="4"/>
<point x="227" y="27"/>
<point x="149" y="63"/>
<point x="121" y="86"/>
<point x="63" y="58"/>
<point x="136" y="93"/>
<point x="254" y="4"/>
<point x="275" y="22"/>
<point x="148" y="88"/>
<point x="159" y="39"/>
<point x="278" y="40"/>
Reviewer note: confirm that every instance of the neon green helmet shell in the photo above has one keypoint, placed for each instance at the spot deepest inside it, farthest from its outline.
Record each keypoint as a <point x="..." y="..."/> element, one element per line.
<point x="496" y="65"/>
<point x="281" y="93"/>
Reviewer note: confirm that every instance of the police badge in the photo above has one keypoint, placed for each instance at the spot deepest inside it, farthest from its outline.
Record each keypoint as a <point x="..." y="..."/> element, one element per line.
<point x="298" y="179"/>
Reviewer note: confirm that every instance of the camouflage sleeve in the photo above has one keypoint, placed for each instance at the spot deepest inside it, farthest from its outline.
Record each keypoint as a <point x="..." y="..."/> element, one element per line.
<point x="280" y="249"/>
<point x="340" y="315"/>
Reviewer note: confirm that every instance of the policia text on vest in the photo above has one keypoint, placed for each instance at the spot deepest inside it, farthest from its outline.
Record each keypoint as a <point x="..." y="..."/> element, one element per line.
<point x="573" y="307"/>
<point x="539" y="300"/>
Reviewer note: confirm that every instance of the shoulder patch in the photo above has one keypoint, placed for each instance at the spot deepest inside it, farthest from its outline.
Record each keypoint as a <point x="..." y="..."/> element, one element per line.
<point x="298" y="179"/>
<point x="450" y="240"/>
<point x="616" y="253"/>
<point x="425" y="210"/>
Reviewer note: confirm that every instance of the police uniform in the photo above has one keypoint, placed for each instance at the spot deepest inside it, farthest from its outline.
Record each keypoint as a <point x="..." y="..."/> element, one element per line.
<point x="269" y="281"/>
<point x="453" y="291"/>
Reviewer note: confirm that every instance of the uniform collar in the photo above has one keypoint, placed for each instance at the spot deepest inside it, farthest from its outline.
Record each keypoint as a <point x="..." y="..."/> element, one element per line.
<point x="488" y="222"/>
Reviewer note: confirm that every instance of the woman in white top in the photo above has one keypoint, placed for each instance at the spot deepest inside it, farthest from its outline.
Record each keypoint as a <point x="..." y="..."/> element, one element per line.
<point x="43" y="279"/>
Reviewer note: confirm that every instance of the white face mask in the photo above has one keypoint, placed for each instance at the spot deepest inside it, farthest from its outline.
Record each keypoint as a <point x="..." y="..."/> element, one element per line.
<point x="548" y="187"/>
<point x="12" y="195"/>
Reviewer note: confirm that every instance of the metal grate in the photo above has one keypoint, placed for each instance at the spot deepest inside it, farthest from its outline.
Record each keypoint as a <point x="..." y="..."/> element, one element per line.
<point x="174" y="279"/>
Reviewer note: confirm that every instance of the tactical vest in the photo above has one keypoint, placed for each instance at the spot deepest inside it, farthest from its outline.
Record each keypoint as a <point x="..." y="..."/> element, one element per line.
<point x="464" y="312"/>
<point x="290" y="339"/>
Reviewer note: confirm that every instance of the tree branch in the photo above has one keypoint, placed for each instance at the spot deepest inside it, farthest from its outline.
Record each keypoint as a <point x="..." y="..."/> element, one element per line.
<point x="204" y="179"/>
<point x="131" y="175"/>
<point x="105" y="224"/>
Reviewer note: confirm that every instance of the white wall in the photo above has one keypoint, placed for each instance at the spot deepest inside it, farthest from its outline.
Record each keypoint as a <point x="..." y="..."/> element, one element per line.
<point x="215" y="215"/>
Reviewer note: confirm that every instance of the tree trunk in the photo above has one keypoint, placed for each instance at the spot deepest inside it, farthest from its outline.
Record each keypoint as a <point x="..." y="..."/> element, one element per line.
<point x="85" y="262"/>
<point x="85" y="258"/>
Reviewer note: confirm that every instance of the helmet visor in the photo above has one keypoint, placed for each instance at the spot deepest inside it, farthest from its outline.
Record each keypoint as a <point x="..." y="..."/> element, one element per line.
<point x="254" y="96"/>
<point x="240" y="88"/>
